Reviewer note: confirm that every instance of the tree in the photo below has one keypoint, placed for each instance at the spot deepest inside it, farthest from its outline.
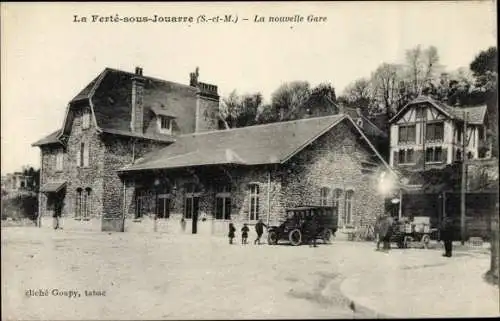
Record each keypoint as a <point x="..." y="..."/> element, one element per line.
<point x="287" y="99"/>
<point x="33" y="182"/>
<point x="386" y="86"/>
<point x="359" y="94"/>
<point x="240" y="111"/>
<point x="484" y="69"/>
<point x="422" y="66"/>
<point x="484" y="62"/>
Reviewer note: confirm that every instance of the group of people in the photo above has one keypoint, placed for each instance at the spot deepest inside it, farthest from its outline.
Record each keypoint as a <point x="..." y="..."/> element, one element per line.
<point x="259" y="230"/>
<point x="385" y="228"/>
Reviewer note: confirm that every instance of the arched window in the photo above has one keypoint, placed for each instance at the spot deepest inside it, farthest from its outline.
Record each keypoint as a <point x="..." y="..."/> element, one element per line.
<point x="337" y="197"/>
<point x="253" y="194"/>
<point x="78" y="204"/>
<point x="223" y="202"/>
<point x="324" y="195"/>
<point x="349" y="195"/>
<point x="86" y="208"/>
<point x="470" y="155"/>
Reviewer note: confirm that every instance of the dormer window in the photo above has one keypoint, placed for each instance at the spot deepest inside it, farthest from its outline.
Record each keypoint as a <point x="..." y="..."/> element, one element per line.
<point x="165" y="124"/>
<point x="85" y="120"/>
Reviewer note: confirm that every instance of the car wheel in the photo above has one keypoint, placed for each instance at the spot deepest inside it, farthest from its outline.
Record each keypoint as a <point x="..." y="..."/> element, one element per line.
<point x="272" y="238"/>
<point x="425" y="241"/>
<point x="295" y="237"/>
<point x="327" y="236"/>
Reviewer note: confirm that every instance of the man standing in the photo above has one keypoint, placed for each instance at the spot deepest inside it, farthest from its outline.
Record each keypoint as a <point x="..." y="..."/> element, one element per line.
<point x="376" y="230"/>
<point x="259" y="229"/>
<point x="312" y="228"/>
<point x="446" y="235"/>
<point x="385" y="231"/>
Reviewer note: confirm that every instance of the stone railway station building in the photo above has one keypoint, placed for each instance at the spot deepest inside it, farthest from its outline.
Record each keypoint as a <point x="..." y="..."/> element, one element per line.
<point x="134" y="147"/>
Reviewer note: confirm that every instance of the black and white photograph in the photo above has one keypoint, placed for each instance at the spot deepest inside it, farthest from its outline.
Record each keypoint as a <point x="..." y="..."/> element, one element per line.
<point x="249" y="160"/>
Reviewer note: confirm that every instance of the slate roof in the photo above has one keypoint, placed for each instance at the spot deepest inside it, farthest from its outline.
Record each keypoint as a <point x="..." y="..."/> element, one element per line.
<point x="475" y="114"/>
<point x="49" y="139"/>
<point x="367" y="125"/>
<point x="110" y="95"/>
<point x="263" y="144"/>
<point x="112" y="106"/>
<point x="53" y="187"/>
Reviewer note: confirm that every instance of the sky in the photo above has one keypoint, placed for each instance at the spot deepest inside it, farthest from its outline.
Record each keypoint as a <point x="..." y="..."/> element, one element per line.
<point x="47" y="58"/>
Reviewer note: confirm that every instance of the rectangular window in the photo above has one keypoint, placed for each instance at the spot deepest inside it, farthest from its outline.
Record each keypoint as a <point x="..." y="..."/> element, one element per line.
<point x="144" y="201"/>
<point x="254" y="202"/>
<point x="223" y="208"/>
<point x="165" y="125"/>
<point x="410" y="156"/>
<point x="59" y="161"/>
<point x="78" y="204"/>
<point x="86" y="204"/>
<point x="420" y="113"/>
<point x="324" y="195"/>
<point x="83" y="155"/>
<point x="406" y="156"/>
<point x="163" y="206"/>
<point x="188" y="208"/>
<point x="434" y="132"/>
<point x="348" y="207"/>
<point x="402" y="156"/>
<point x="459" y="135"/>
<point x="407" y="133"/>
<point x="223" y="203"/>
<point x="434" y="154"/>
<point x="85" y="120"/>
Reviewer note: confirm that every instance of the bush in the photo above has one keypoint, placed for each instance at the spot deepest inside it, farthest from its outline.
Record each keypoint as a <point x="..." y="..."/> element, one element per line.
<point x="20" y="207"/>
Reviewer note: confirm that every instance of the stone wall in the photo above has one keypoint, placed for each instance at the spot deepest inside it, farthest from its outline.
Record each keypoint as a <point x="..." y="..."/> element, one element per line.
<point x="74" y="175"/>
<point x="206" y="110"/>
<point x="120" y="151"/>
<point x="334" y="161"/>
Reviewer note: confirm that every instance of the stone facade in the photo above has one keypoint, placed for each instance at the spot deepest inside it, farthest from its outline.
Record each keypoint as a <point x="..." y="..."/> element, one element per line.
<point x="119" y="152"/>
<point x="333" y="161"/>
<point x="74" y="175"/>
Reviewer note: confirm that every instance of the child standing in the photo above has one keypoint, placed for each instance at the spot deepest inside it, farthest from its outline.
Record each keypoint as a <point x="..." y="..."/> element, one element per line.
<point x="232" y="229"/>
<point x="244" y="234"/>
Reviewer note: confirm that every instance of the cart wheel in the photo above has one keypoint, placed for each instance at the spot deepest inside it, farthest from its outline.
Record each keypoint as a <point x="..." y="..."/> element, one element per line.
<point x="425" y="240"/>
<point x="295" y="237"/>
<point x="327" y="236"/>
<point x="406" y="242"/>
<point x="272" y="238"/>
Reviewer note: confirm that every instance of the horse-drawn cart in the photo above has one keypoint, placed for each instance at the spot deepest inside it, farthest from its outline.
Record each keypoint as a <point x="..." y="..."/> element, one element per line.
<point x="418" y="230"/>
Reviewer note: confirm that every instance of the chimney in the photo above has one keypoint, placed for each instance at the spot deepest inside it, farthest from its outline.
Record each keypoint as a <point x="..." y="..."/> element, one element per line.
<point x="137" y="113"/>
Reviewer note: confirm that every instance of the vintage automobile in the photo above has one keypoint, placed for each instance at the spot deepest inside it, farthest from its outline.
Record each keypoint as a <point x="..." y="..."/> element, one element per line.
<point x="294" y="227"/>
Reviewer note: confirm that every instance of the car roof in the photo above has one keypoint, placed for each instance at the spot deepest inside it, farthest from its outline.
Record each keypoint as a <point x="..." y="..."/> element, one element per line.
<point x="307" y="207"/>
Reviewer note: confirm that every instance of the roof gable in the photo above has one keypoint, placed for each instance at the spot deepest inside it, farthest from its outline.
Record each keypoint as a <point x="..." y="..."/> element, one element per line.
<point x="475" y="114"/>
<point x="109" y="98"/>
<point x="52" y="138"/>
<point x="254" y="145"/>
